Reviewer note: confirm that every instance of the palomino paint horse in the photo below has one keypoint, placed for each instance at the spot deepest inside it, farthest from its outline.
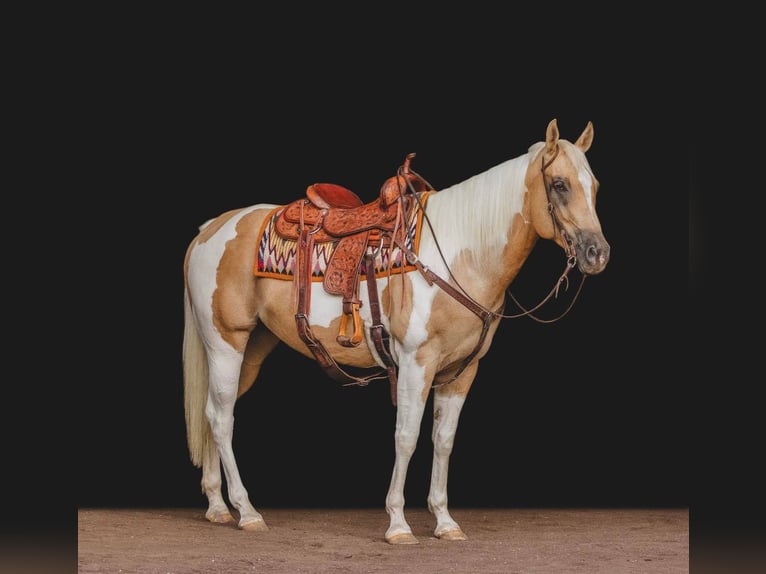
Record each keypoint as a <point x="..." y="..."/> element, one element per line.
<point x="441" y="317"/>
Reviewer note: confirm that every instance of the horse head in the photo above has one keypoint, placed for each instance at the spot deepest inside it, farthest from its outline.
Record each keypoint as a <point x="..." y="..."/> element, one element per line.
<point x="562" y="198"/>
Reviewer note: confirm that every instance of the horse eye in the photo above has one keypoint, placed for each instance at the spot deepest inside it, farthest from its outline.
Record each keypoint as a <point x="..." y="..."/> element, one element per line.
<point x="559" y="185"/>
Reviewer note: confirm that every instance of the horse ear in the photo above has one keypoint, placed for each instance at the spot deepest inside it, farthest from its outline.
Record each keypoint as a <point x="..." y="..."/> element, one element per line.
<point x="586" y="138"/>
<point x="552" y="137"/>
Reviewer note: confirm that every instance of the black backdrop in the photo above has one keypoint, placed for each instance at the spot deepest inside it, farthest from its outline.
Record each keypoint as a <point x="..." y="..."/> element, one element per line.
<point x="591" y="410"/>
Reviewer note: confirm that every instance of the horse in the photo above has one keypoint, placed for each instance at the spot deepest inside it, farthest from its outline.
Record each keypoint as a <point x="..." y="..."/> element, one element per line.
<point x="438" y="310"/>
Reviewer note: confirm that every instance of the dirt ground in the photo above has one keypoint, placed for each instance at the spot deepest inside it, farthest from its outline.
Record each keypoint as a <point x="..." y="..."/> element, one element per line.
<point x="507" y="541"/>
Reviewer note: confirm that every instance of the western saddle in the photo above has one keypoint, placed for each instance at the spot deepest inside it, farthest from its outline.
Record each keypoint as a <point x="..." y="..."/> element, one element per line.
<point x="332" y="213"/>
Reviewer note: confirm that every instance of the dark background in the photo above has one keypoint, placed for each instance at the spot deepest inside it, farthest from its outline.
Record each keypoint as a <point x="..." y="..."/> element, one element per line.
<point x="593" y="410"/>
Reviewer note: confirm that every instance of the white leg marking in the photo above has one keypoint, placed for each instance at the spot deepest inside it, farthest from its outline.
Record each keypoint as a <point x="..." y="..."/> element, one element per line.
<point x="447" y="409"/>
<point x="224" y="365"/>
<point x="409" y="413"/>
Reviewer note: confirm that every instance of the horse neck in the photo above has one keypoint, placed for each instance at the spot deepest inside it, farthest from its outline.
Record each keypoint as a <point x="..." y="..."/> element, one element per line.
<point x="483" y="236"/>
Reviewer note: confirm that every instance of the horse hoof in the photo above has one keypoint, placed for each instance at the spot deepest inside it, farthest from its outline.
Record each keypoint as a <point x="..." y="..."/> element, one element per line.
<point x="455" y="534"/>
<point x="219" y="517"/>
<point x="254" y="526"/>
<point x="405" y="538"/>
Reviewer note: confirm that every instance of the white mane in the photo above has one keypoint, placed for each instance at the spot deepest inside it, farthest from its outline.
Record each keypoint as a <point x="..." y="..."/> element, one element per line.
<point x="475" y="215"/>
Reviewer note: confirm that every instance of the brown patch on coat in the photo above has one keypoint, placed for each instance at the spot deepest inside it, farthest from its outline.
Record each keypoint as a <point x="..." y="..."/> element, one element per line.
<point x="536" y="201"/>
<point x="277" y="305"/>
<point x="233" y="298"/>
<point x="396" y="303"/>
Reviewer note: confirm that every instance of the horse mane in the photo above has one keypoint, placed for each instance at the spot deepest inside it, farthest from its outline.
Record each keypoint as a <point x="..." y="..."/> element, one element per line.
<point x="474" y="216"/>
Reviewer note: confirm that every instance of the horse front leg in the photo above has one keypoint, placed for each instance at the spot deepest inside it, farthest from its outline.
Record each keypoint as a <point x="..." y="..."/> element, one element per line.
<point x="222" y="395"/>
<point x="448" y="403"/>
<point x="409" y="413"/>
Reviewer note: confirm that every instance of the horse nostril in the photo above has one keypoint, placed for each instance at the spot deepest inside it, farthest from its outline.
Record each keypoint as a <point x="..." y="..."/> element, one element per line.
<point x="591" y="254"/>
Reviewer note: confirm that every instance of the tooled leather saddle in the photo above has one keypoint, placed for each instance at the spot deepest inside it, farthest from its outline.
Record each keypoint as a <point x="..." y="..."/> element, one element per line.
<point x="333" y="213"/>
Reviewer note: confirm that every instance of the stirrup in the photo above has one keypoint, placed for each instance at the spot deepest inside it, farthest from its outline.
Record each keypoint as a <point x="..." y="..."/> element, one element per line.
<point x="357" y="337"/>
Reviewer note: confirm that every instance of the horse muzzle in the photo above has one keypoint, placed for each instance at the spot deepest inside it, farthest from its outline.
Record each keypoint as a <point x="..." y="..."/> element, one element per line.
<point x="592" y="251"/>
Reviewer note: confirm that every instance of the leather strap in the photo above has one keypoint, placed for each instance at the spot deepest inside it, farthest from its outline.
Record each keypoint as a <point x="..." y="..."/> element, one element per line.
<point x="485" y="315"/>
<point x="380" y="336"/>
<point x="323" y="357"/>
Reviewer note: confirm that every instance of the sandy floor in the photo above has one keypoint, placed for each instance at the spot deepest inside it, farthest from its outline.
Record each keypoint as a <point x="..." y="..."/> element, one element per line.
<point x="351" y="540"/>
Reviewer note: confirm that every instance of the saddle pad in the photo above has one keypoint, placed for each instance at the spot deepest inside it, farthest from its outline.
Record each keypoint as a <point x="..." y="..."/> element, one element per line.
<point x="277" y="257"/>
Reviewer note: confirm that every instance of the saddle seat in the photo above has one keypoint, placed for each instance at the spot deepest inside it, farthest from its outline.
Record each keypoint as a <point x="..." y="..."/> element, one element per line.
<point x="327" y="195"/>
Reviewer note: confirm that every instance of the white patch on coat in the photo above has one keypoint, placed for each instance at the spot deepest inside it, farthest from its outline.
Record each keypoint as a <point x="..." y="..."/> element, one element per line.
<point x="586" y="181"/>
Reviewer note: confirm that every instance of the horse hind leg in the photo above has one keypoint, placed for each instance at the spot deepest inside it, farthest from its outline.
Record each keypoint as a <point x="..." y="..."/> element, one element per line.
<point x="222" y="396"/>
<point x="202" y="448"/>
<point x="260" y="344"/>
<point x="217" y="510"/>
<point x="214" y="378"/>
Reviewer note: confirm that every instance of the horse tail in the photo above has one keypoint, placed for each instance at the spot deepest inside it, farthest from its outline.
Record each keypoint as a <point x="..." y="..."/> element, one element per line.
<point x="195" y="373"/>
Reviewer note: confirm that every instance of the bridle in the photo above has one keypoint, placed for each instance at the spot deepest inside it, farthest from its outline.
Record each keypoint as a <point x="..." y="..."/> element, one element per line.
<point x="558" y="229"/>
